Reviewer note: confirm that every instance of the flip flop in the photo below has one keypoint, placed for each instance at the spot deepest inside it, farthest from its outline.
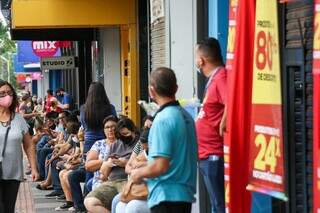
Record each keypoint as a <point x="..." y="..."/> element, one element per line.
<point x="41" y="187"/>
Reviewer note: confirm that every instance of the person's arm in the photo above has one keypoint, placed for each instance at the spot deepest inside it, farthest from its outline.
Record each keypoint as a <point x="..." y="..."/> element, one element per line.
<point x="27" y="115"/>
<point x="93" y="163"/>
<point x="30" y="150"/>
<point x="222" y="98"/>
<point x="223" y="122"/>
<point x="159" y="166"/>
<point x="121" y="162"/>
<point x="129" y="165"/>
<point x="64" y="149"/>
<point x="66" y="100"/>
<point x="63" y="106"/>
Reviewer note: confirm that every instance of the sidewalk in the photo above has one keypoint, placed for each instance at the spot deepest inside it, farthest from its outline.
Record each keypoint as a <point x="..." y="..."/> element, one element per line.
<point x="32" y="200"/>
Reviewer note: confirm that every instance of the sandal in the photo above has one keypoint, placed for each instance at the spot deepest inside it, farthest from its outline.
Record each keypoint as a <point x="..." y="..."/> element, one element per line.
<point x="42" y="187"/>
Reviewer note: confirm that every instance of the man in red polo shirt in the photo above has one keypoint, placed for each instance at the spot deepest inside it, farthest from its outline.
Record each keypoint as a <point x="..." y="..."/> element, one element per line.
<point x="211" y="120"/>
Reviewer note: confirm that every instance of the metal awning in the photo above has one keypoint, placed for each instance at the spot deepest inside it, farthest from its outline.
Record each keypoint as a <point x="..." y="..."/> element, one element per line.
<point x="39" y="14"/>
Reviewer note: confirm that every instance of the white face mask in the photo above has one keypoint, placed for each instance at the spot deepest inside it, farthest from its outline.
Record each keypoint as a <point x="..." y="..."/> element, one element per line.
<point x="198" y="70"/>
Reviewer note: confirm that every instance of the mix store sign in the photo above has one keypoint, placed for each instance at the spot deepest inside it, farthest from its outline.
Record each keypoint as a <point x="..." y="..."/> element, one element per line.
<point x="32" y="51"/>
<point x="48" y="48"/>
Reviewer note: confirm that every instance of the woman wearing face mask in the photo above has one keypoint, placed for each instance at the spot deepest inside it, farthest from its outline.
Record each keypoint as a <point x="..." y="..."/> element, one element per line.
<point x="113" y="168"/>
<point x="13" y="133"/>
<point x="92" y="113"/>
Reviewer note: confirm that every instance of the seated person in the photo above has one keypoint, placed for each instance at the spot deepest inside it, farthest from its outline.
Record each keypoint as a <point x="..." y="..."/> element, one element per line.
<point x="62" y="151"/>
<point x="137" y="159"/>
<point x="113" y="169"/>
<point x="98" y="152"/>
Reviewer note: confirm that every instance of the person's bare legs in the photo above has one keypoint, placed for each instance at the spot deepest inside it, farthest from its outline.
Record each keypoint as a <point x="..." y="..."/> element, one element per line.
<point x="94" y="205"/>
<point x="48" y="181"/>
<point x="63" y="175"/>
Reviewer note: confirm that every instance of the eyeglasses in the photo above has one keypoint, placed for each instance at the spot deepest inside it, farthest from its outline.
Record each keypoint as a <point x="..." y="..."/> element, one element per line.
<point x="5" y="93"/>
<point x="110" y="127"/>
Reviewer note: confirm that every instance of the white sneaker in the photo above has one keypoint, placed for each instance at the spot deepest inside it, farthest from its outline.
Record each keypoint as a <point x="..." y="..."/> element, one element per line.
<point x="72" y="209"/>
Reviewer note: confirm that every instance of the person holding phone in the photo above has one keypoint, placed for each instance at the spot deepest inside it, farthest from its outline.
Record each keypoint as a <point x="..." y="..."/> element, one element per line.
<point x="113" y="169"/>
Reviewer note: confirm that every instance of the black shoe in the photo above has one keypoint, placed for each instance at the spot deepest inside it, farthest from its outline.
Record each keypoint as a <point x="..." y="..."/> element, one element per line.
<point x="81" y="210"/>
<point x="61" y="198"/>
<point x="54" y="194"/>
<point x="65" y="206"/>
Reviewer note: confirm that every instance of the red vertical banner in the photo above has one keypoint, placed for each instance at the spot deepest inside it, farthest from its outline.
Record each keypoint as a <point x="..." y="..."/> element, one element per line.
<point x="266" y="171"/>
<point x="239" y="57"/>
<point x="233" y="7"/>
<point x="316" y="108"/>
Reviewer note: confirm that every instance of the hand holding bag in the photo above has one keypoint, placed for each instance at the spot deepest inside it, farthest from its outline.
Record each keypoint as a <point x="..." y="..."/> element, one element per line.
<point x="3" y="150"/>
<point x="134" y="191"/>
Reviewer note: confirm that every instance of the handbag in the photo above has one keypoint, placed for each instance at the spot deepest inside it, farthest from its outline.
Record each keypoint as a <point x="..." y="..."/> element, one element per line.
<point x="134" y="191"/>
<point x="3" y="150"/>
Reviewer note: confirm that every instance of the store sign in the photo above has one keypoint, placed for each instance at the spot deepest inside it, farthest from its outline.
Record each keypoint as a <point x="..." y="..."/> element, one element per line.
<point x="156" y="10"/>
<point x="267" y="173"/>
<point x="48" y="48"/>
<point x="45" y="48"/>
<point x="58" y="63"/>
<point x="233" y="9"/>
<point x="316" y="108"/>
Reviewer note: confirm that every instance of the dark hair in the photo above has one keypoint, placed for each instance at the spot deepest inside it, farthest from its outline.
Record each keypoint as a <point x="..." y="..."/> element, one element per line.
<point x="210" y="48"/>
<point x="73" y="127"/>
<point x="126" y="122"/>
<point x="164" y="81"/>
<point x="14" y="104"/>
<point x="52" y="115"/>
<point x="50" y="92"/>
<point x="110" y="118"/>
<point x="60" y="90"/>
<point x="97" y="106"/>
<point x="25" y="97"/>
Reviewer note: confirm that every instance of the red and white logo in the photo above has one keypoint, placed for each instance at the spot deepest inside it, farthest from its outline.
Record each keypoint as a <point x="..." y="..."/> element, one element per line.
<point x="45" y="48"/>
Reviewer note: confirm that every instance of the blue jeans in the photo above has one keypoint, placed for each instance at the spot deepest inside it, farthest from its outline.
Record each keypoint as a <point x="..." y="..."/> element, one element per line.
<point x="55" y="176"/>
<point x="42" y="142"/>
<point x="114" y="203"/>
<point x="75" y="178"/>
<point x="41" y="160"/>
<point x="212" y="170"/>
<point x="89" y="184"/>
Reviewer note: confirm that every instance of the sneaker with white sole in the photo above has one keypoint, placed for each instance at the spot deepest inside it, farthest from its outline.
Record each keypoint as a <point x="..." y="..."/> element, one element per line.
<point x="72" y="209"/>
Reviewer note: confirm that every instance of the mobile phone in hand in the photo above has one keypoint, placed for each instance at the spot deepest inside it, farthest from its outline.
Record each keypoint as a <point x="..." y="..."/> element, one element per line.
<point x="114" y="156"/>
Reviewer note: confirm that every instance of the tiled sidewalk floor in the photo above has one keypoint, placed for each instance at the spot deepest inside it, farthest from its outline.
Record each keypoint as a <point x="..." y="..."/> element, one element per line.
<point x="32" y="200"/>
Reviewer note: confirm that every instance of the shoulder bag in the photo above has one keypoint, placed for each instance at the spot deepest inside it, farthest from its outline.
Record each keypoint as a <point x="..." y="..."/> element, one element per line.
<point x="4" y="149"/>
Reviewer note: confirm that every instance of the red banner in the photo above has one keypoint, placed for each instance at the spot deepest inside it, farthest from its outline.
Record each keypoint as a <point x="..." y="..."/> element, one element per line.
<point x="316" y="108"/>
<point x="239" y="55"/>
<point x="233" y="8"/>
<point x="266" y="171"/>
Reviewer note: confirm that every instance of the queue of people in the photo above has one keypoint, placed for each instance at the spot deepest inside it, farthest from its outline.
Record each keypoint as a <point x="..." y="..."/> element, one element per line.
<point x="124" y="170"/>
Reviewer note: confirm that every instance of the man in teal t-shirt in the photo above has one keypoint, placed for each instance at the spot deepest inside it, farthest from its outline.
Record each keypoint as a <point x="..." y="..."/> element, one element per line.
<point x="172" y="160"/>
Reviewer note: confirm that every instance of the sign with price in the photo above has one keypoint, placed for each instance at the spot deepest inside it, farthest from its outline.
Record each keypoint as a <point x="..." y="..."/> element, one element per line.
<point x="316" y="108"/>
<point x="266" y="142"/>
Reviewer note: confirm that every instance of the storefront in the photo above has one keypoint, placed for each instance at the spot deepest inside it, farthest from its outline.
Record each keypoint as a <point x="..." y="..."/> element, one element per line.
<point x="80" y="21"/>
